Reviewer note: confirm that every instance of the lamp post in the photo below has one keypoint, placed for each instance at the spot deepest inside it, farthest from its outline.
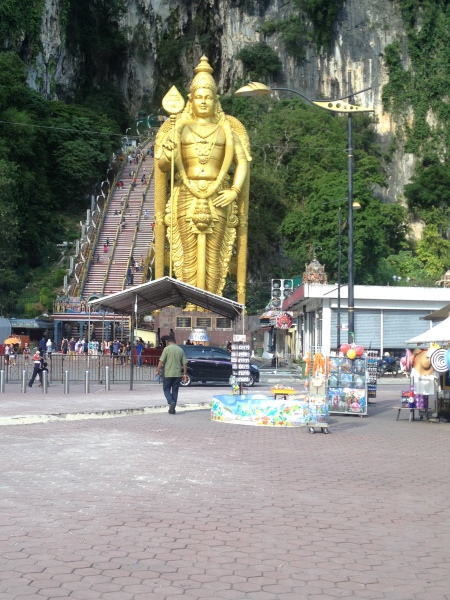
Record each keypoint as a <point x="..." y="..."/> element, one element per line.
<point x="355" y="206"/>
<point x="340" y="106"/>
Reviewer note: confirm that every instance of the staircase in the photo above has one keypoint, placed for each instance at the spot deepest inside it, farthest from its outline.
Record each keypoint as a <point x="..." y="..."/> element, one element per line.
<point x="116" y="242"/>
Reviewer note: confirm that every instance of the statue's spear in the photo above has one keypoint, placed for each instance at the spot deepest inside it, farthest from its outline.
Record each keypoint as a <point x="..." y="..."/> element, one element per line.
<point x="173" y="103"/>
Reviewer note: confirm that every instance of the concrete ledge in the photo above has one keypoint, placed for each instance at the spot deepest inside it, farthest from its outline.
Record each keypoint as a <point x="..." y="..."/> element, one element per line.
<point x="101" y="414"/>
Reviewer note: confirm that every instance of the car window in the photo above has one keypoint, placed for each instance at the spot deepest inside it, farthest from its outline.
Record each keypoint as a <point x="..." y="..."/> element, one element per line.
<point x="198" y="352"/>
<point x="220" y="355"/>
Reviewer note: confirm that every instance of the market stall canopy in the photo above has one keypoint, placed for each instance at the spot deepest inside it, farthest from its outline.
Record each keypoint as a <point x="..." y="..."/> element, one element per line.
<point x="439" y="315"/>
<point x="439" y="333"/>
<point x="163" y="292"/>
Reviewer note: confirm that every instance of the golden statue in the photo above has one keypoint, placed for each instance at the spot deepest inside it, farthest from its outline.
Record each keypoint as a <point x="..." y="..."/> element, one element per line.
<point x="206" y="213"/>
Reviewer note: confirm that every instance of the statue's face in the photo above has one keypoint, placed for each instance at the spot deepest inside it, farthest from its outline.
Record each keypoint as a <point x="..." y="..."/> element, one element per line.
<point x="203" y="103"/>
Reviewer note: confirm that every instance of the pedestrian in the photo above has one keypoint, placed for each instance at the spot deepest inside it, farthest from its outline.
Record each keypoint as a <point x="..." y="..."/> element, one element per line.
<point x="145" y="214"/>
<point x="49" y="347"/>
<point x="44" y="368"/>
<point x="139" y="349"/>
<point x="26" y="352"/>
<point x="173" y="359"/>
<point x="72" y="345"/>
<point x="121" y="202"/>
<point x="105" y="248"/>
<point x="107" y="241"/>
<point x="36" y="367"/>
<point x="7" y="352"/>
<point x="43" y="345"/>
<point x="153" y="225"/>
<point x="64" y="345"/>
<point x="97" y="257"/>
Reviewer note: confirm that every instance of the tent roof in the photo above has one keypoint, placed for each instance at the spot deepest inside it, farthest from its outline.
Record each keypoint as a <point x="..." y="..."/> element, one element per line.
<point x="439" y="315"/>
<point x="164" y="292"/>
<point x="439" y="333"/>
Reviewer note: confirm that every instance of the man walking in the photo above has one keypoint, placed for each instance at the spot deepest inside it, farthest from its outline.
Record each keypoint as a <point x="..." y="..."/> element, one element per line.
<point x="172" y="359"/>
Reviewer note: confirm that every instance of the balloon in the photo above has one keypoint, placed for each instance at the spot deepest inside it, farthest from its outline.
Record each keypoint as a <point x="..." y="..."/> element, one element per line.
<point x="359" y="350"/>
<point x="351" y="354"/>
<point x="345" y="348"/>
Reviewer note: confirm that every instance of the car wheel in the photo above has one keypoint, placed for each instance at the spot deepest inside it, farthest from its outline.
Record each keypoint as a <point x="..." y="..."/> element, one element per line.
<point x="251" y="381"/>
<point x="187" y="382"/>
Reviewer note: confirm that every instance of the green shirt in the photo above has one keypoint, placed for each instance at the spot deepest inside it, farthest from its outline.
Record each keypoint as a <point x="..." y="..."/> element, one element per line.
<point x="173" y="358"/>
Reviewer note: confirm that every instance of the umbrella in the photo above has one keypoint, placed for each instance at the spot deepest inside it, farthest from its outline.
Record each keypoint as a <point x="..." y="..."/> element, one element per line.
<point x="12" y="340"/>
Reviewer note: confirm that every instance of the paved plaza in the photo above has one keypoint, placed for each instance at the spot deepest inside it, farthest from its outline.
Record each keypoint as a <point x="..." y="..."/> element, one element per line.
<point x="158" y="506"/>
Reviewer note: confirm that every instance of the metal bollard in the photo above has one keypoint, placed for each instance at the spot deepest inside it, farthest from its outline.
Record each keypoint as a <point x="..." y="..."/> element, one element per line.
<point x="107" y="379"/>
<point x="87" y="383"/>
<point x="2" y="381"/>
<point x="44" y="382"/>
<point x="24" y="382"/>
<point x="66" y="382"/>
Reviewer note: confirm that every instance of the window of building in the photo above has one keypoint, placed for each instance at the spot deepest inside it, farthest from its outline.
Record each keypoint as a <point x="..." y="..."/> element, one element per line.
<point x="203" y="322"/>
<point x="184" y="322"/>
<point x="223" y="323"/>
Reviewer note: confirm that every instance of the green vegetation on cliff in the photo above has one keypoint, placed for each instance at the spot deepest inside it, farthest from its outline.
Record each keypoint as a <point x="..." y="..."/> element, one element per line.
<point x="417" y="95"/>
<point x="51" y="156"/>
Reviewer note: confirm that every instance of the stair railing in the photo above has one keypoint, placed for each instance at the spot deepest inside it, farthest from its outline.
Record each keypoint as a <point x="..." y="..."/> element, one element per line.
<point x="136" y="229"/>
<point x="79" y="288"/>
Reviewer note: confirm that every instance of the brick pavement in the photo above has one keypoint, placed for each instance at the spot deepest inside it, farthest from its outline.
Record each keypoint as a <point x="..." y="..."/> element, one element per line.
<point x="162" y="507"/>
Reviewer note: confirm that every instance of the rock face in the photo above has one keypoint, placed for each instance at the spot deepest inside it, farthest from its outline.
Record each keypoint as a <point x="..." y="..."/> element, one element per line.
<point x="362" y="30"/>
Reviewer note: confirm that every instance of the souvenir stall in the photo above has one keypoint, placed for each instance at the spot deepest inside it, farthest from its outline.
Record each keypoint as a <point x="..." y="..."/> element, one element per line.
<point x="342" y="381"/>
<point x="430" y="373"/>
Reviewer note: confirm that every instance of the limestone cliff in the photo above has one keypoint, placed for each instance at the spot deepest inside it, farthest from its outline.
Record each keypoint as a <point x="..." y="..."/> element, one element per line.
<point x="361" y="31"/>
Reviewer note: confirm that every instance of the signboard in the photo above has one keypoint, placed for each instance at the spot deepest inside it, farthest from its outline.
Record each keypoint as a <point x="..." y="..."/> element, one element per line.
<point x="199" y="335"/>
<point x="283" y="321"/>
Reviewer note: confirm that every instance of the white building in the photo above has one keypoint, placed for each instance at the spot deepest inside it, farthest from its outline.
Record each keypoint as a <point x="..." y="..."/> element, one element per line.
<point x="385" y="317"/>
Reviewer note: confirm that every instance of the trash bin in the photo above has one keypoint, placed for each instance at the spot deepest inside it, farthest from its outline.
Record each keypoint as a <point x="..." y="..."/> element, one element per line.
<point x="303" y="367"/>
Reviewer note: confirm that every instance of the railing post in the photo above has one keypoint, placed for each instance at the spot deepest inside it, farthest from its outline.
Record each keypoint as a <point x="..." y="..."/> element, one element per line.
<point x="24" y="382"/>
<point x="107" y="379"/>
<point x="87" y="387"/>
<point x="2" y="381"/>
<point x="44" y="382"/>
<point x="66" y="382"/>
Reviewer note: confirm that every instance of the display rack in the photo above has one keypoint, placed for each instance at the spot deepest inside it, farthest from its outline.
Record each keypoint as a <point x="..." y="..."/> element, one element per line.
<point x="347" y="386"/>
<point x="240" y="364"/>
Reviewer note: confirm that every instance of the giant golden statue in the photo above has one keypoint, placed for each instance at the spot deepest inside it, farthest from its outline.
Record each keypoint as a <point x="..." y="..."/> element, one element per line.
<point x="206" y="216"/>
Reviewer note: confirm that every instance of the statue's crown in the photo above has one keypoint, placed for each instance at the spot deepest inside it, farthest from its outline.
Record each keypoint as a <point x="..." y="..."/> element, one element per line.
<point x="203" y="77"/>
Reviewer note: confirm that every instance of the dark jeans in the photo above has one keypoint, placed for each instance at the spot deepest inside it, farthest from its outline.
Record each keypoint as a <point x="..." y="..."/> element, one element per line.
<point x="171" y="386"/>
<point x="36" y="372"/>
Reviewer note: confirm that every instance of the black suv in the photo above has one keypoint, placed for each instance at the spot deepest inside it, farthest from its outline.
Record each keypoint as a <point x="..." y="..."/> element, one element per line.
<point x="206" y="363"/>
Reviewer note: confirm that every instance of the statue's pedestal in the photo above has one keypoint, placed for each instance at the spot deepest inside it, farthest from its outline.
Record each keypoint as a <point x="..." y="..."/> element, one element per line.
<point x="259" y="409"/>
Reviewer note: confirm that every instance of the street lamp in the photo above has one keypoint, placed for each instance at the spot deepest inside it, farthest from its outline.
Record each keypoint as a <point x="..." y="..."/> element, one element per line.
<point x="355" y="206"/>
<point x="341" y="106"/>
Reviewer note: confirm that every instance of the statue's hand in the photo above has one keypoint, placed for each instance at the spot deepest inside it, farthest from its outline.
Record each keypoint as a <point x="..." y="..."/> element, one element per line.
<point x="169" y="149"/>
<point x="225" y="197"/>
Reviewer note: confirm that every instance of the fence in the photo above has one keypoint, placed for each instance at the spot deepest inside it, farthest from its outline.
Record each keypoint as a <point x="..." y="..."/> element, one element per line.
<point x="119" y="368"/>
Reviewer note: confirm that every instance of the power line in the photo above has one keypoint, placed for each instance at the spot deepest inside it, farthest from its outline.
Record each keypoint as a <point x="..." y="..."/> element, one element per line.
<point x="121" y="135"/>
